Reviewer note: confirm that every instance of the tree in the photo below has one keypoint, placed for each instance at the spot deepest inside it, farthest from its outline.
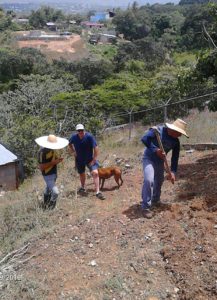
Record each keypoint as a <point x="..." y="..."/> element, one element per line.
<point x="192" y="35"/>
<point x="116" y="95"/>
<point x="20" y="138"/>
<point x="11" y="65"/>
<point x="133" y="24"/>
<point x="36" y="60"/>
<point x="24" y="61"/>
<point x="39" y="18"/>
<point x="88" y="72"/>
<point x="161" y="23"/>
<point x="147" y="50"/>
<point x="5" y="21"/>
<point x="28" y="111"/>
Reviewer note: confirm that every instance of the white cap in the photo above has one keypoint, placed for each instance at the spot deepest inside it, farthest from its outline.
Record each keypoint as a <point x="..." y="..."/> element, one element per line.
<point x="79" y="127"/>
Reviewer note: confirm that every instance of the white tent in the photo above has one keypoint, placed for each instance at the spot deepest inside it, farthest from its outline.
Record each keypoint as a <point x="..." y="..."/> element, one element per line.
<point x="6" y="156"/>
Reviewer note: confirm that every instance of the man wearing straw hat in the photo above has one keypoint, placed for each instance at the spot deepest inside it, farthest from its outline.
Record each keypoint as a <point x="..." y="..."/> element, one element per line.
<point x="154" y="158"/>
<point x="48" y="161"/>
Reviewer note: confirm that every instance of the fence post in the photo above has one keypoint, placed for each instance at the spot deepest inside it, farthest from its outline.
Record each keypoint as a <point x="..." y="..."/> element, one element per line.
<point x="165" y="113"/>
<point x="130" y="123"/>
<point x="165" y="109"/>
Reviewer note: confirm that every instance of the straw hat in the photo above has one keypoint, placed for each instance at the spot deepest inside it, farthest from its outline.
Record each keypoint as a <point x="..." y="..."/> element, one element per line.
<point x="179" y="125"/>
<point x="52" y="142"/>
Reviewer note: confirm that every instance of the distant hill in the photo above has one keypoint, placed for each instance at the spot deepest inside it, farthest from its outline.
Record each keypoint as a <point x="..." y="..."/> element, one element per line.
<point x="91" y="2"/>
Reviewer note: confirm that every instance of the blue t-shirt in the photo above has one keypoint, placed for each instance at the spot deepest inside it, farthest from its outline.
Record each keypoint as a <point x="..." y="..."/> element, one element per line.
<point x="83" y="147"/>
<point x="169" y="143"/>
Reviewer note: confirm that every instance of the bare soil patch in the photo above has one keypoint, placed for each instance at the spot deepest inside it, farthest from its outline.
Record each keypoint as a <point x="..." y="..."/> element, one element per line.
<point x="73" y="47"/>
<point x="107" y="250"/>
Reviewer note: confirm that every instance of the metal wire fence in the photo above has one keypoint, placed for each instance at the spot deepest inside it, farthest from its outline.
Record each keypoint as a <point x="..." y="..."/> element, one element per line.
<point x="155" y="114"/>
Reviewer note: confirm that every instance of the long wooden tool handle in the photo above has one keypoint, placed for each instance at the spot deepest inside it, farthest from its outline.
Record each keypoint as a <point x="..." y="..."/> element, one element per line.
<point x="162" y="149"/>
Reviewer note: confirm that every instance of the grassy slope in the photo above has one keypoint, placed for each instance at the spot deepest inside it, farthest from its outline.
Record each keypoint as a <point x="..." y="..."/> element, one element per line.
<point x="18" y="208"/>
<point x="23" y="220"/>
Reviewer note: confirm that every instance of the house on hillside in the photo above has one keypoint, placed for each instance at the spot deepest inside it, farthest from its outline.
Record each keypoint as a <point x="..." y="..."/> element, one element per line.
<point x="9" y="170"/>
<point x="87" y="24"/>
<point x="102" y="38"/>
<point x="99" y="16"/>
<point x="108" y="38"/>
<point x="51" y="26"/>
<point x="21" y="21"/>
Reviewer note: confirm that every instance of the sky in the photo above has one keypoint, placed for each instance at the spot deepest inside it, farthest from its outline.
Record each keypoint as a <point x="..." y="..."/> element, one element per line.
<point x="105" y="2"/>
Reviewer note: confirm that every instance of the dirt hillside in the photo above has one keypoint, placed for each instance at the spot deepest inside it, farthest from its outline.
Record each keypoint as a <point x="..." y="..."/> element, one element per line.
<point x="107" y="250"/>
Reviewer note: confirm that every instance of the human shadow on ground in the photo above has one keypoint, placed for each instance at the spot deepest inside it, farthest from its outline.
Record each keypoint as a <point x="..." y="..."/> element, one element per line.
<point x="105" y="189"/>
<point x="135" y="211"/>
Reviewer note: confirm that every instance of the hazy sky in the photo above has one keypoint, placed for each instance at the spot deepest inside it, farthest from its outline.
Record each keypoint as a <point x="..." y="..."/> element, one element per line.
<point x="105" y="2"/>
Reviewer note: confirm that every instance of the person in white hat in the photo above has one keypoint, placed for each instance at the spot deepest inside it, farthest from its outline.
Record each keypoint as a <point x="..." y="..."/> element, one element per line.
<point x="84" y="147"/>
<point x="153" y="161"/>
<point x="48" y="161"/>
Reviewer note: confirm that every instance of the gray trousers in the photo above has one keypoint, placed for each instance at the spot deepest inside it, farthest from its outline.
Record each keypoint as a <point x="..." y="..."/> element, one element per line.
<point x="153" y="180"/>
<point x="51" y="191"/>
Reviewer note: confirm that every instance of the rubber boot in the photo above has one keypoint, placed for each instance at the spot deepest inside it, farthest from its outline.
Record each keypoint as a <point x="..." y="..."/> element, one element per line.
<point x="47" y="198"/>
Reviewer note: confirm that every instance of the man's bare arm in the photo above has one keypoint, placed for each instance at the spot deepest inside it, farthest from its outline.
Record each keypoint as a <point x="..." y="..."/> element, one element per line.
<point x="52" y="163"/>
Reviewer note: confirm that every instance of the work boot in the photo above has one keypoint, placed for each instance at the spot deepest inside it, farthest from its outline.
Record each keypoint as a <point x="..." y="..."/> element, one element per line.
<point x="100" y="196"/>
<point x="52" y="204"/>
<point x="81" y="190"/>
<point x="46" y="200"/>
<point x="146" y="213"/>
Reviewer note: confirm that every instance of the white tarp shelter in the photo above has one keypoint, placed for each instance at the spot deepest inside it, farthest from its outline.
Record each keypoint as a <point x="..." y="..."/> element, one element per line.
<point x="8" y="169"/>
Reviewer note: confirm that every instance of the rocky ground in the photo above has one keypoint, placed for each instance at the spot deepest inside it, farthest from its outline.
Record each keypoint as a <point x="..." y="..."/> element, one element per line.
<point x="106" y="250"/>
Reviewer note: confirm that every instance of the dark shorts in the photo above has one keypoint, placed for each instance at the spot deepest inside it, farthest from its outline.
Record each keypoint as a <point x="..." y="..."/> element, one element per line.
<point x="81" y="167"/>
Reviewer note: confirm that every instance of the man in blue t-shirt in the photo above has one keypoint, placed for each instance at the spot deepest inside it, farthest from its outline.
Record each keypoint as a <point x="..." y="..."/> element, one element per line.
<point x="84" y="147"/>
<point x="153" y="161"/>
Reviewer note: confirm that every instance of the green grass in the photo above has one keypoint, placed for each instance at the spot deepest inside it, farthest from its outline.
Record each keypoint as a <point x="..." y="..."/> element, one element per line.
<point x="184" y="58"/>
<point x="105" y="51"/>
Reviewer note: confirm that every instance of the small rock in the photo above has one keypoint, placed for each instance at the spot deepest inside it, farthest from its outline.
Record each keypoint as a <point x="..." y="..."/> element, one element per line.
<point x="2" y="193"/>
<point x="92" y="263"/>
<point x="176" y="290"/>
<point x="215" y="226"/>
<point x="90" y="245"/>
<point x="189" y="151"/>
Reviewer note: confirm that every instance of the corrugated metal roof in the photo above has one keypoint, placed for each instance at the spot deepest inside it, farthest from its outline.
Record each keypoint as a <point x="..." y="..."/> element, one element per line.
<point x="6" y="156"/>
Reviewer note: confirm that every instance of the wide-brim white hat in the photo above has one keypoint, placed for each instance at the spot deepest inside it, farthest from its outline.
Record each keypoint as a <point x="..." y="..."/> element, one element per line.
<point x="52" y="142"/>
<point x="179" y="125"/>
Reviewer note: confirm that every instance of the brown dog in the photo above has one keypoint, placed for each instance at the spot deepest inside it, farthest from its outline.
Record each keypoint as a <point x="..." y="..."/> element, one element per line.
<point x="105" y="173"/>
